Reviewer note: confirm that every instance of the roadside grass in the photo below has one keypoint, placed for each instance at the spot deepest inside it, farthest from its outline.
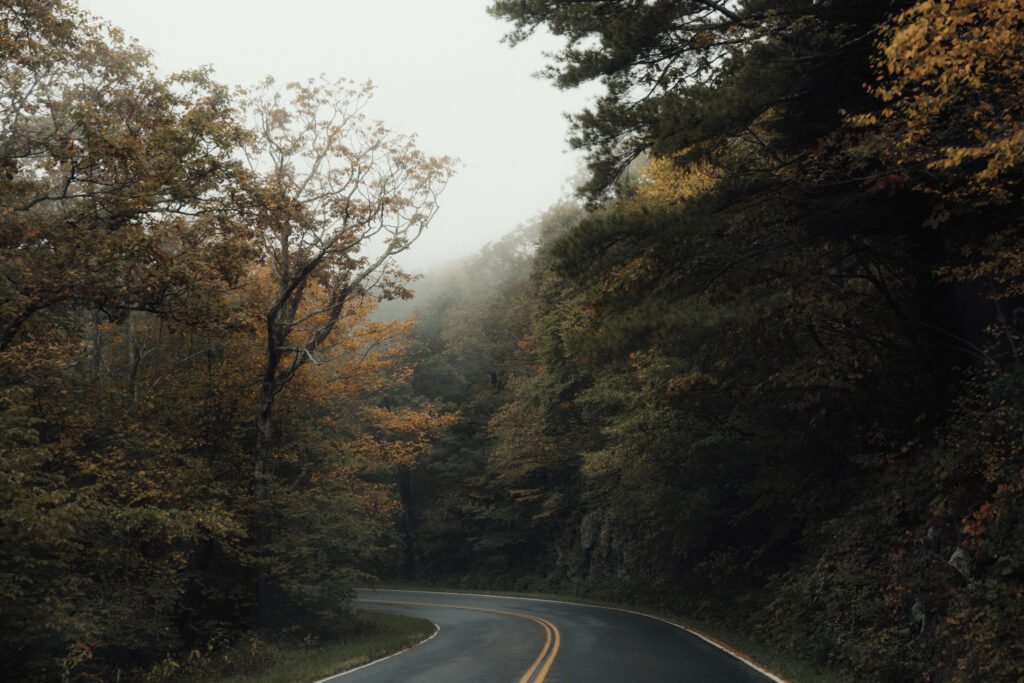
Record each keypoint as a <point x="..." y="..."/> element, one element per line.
<point x="380" y="635"/>
<point x="782" y="664"/>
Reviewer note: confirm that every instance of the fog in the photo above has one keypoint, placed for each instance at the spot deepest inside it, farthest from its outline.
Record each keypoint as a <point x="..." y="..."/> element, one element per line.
<point x="441" y="72"/>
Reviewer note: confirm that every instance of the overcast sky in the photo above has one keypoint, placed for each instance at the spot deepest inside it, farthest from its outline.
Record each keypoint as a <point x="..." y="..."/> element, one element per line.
<point x="441" y="72"/>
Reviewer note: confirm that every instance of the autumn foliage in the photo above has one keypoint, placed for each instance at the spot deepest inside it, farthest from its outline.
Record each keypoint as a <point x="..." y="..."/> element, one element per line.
<point x="767" y="372"/>
<point x="136" y="277"/>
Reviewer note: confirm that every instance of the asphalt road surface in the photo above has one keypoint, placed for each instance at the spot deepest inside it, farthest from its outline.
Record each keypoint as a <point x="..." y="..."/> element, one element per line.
<point x="485" y="639"/>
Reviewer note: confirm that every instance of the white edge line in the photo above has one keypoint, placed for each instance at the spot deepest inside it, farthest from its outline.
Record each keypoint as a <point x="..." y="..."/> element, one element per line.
<point x="437" y="629"/>
<point x="749" y="662"/>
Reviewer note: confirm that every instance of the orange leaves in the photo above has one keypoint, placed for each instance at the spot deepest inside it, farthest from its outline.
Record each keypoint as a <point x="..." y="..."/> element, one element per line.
<point x="401" y="437"/>
<point x="974" y="525"/>
<point x="332" y="425"/>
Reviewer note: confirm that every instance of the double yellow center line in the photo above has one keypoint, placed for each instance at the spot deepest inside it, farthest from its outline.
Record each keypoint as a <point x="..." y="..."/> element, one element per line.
<point x="538" y="671"/>
<point x="547" y="655"/>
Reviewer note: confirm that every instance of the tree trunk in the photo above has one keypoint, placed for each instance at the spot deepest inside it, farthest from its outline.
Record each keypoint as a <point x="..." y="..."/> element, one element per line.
<point x="134" y="358"/>
<point x="263" y="450"/>
<point x="412" y="553"/>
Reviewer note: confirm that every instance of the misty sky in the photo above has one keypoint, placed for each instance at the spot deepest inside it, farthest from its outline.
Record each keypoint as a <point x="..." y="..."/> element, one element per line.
<point x="440" y="70"/>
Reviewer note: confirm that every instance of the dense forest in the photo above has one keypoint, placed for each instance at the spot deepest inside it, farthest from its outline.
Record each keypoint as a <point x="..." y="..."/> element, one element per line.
<point x="769" y="373"/>
<point x="766" y="369"/>
<point x="194" y="441"/>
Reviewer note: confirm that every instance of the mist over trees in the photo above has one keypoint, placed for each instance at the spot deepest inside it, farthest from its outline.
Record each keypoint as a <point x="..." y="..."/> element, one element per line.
<point x="765" y="371"/>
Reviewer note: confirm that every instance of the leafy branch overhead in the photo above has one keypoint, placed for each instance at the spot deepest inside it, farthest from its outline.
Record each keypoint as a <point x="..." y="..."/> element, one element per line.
<point x="694" y="74"/>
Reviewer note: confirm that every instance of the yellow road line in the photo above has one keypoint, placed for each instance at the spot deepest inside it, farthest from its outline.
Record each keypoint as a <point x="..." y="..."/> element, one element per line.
<point x="547" y="644"/>
<point x="547" y="665"/>
<point x="551" y="643"/>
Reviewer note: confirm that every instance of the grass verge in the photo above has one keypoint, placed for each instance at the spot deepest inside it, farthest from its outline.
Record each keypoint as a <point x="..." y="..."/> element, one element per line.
<point x="782" y="664"/>
<point x="380" y="635"/>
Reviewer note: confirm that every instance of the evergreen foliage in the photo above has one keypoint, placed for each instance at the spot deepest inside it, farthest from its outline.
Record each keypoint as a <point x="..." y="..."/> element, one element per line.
<point x="771" y="380"/>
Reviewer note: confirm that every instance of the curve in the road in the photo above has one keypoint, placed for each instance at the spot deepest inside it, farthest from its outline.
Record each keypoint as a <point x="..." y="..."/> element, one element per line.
<point x="494" y="639"/>
<point x="552" y="636"/>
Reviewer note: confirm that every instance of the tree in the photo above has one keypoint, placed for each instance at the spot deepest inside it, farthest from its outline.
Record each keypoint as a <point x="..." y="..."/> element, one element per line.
<point x="115" y="182"/>
<point x="130" y="299"/>
<point x="341" y="196"/>
<point x="337" y="442"/>
<point x="689" y="74"/>
<point x="115" y="200"/>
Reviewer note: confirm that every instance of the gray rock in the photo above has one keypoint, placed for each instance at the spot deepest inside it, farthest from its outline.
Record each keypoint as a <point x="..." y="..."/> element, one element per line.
<point x="919" y="615"/>
<point x="960" y="562"/>
<point x="590" y="531"/>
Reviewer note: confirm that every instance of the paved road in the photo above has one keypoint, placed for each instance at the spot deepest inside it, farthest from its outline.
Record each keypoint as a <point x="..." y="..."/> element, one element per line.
<point x="484" y="639"/>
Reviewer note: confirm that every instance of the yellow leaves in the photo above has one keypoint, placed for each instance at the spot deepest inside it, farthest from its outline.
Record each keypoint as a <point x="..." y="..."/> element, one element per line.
<point x="953" y="79"/>
<point x="668" y="180"/>
<point x="862" y="120"/>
